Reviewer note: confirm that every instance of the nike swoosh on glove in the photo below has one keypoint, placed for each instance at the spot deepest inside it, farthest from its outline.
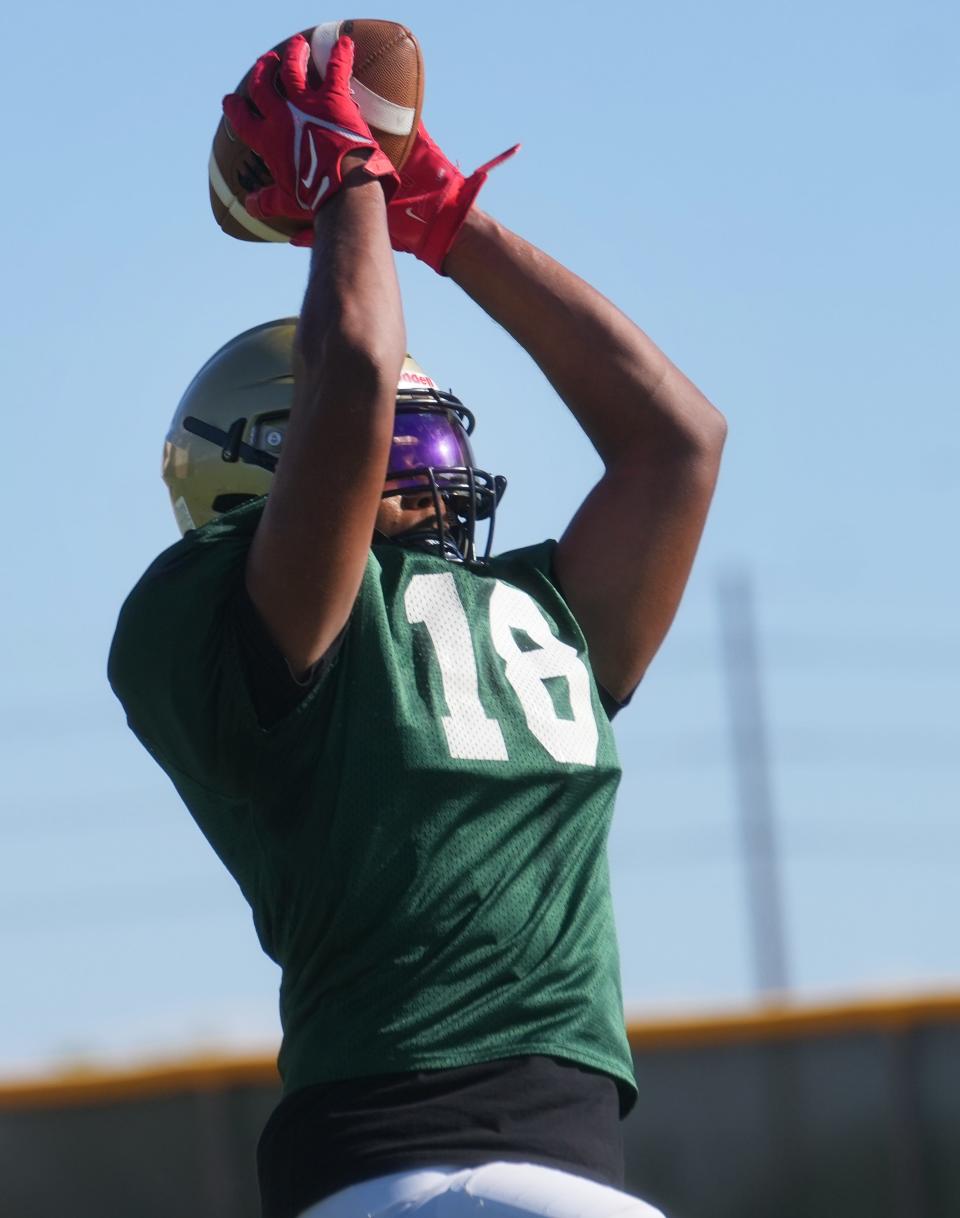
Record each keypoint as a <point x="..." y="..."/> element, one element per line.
<point x="429" y="209"/>
<point x="302" y="132"/>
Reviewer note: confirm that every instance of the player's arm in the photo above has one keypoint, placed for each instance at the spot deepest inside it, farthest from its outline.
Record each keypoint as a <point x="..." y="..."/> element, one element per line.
<point x="311" y="546"/>
<point x="625" y="557"/>
<point x="310" y="549"/>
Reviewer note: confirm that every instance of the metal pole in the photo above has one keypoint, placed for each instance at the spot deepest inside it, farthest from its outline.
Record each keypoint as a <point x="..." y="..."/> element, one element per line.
<point x="752" y="766"/>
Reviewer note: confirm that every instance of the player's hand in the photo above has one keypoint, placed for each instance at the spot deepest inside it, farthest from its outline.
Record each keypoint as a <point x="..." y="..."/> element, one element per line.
<point x="303" y="133"/>
<point x="429" y="208"/>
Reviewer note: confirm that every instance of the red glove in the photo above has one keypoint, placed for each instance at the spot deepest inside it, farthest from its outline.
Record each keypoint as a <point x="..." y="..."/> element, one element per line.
<point x="303" y="133"/>
<point x="427" y="212"/>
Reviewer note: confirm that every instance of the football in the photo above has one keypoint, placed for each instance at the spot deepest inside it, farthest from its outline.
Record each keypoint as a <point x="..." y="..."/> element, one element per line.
<point x="388" y="86"/>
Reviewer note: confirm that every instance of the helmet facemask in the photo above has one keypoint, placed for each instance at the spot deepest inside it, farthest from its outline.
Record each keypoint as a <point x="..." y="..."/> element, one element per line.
<point x="431" y="455"/>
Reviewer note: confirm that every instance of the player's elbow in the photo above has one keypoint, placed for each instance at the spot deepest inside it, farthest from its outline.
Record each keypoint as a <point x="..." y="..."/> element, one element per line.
<point x="350" y="370"/>
<point x="695" y="425"/>
<point x="351" y="349"/>
<point x="692" y="433"/>
<point x="710" y="431"/>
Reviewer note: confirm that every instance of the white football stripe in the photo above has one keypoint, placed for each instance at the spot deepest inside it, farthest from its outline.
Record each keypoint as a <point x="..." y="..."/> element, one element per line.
<point x="384" y="115"/>
<point x="255" y="227"/>
<point x="378" y="111"/>
<point x="321" y="44"/>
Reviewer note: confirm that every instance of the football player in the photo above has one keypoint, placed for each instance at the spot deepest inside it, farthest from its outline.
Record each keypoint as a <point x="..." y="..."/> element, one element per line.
<point x="398" y="743"/>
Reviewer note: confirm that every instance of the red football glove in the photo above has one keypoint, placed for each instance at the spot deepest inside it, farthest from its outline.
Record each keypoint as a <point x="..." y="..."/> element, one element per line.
<point x="303" y="133"/>
<point x="428" y="210"/>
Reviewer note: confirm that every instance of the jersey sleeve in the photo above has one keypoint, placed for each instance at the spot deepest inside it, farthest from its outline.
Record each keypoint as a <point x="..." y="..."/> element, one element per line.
<point x="274" y="689"/>
<point x="181" y="664"/>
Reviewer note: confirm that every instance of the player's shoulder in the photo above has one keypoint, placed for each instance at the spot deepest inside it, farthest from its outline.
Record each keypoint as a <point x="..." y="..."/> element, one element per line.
<point x="178" y="600"/>
<point x="202" y="555"/>
<point x="531" y="569"/>
<point x="534" y="558"/>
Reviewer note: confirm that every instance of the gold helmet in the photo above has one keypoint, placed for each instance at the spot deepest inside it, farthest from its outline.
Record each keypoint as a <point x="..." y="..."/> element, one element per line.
<point x="228" y="430"/>
<point x="232" y="405"/>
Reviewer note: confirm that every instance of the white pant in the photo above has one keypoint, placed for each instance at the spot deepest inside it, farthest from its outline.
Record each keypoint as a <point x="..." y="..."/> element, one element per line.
<point x="493" y="1190"/>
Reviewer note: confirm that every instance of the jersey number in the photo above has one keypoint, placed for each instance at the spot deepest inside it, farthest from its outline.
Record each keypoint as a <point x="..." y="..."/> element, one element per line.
<point x="470" y="732"/>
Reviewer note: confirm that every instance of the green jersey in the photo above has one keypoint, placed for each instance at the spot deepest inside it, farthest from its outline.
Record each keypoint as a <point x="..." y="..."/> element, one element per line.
<point x="422" y="840"/>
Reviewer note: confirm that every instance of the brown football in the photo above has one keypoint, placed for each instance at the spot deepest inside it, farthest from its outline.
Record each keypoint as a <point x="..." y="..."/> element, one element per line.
<point x="388" y="85"/>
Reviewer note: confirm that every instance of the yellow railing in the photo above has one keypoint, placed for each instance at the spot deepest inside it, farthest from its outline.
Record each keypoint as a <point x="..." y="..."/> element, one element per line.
<point x="773" y="1021"/>
<point x="785" y="1020"/>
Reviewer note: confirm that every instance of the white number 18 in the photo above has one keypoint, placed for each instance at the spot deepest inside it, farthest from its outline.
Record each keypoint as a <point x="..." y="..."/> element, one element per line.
<point x="470" y="733"/>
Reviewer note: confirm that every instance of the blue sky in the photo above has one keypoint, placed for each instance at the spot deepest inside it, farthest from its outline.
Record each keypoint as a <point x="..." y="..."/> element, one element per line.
<point x="772" y="192"/>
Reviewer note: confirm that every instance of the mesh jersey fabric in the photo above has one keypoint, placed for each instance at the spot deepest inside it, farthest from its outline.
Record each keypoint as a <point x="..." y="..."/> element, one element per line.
<point x="422" y="840"/>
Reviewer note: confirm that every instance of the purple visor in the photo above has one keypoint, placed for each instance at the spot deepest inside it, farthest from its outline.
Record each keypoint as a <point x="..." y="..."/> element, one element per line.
<point x="428" y="439"/>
